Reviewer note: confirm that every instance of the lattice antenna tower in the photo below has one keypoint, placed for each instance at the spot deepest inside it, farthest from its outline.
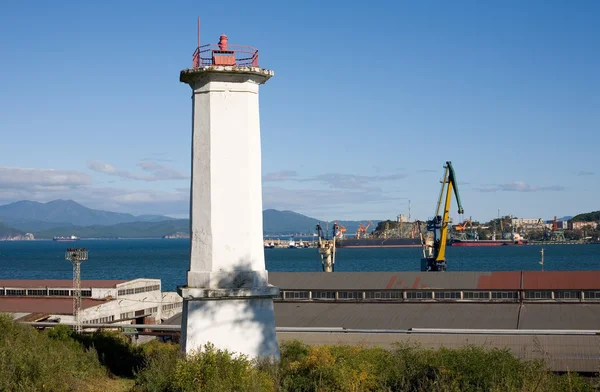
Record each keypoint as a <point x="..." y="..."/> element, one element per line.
<point x="76" y="256"/>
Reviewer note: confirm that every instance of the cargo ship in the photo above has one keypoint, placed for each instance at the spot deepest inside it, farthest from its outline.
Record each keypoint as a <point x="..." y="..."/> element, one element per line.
<point x="514" y="239"/>
<point x="378" y="243"/>
<point x="456" y="242"/>
<point x="66" y="239"/>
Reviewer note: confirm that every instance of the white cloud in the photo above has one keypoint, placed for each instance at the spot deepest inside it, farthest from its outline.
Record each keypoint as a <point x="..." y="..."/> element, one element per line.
<point x="161" y="172"/>
<point x="283" y="175"/>
<point x="307" y="199"/>
<point x="336" y="180"/>
<point x="25" y="178"/>
<point x="585" y="173"/>
<point x="156" y="171"/>
<point x="44" y="185"/>
<point x="519" y="186"/>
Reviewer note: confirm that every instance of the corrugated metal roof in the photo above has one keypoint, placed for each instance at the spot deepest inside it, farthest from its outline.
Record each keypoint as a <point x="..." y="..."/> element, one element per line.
<point x="500" y="280"/>
<point x="560" y="316"/>
<point x="59" y="283"/>
<point x="396" y="315"/>
<point x="561" y="280"/>
<point x="504" y="280"/>
<point x="376" y="280"/>
<point x="43" y="304"/>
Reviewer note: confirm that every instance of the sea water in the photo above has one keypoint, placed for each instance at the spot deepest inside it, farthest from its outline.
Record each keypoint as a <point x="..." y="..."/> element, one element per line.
<point x="168" y="259"/>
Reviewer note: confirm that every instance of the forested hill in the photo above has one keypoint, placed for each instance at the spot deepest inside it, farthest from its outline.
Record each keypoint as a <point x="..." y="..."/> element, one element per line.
<point x="587" y="217"/>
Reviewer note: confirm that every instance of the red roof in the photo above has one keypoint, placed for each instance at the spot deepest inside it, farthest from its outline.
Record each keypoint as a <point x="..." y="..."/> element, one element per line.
<point x="18" y="283"/>
<point x="43" y="305"/>
<point x="500" y="281"/>
<point x="561" y="280"/>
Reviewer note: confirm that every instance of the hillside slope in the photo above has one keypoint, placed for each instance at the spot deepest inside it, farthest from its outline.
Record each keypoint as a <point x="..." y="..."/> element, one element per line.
<point x="32" y="215"/>
<point x="593" y="216"/>
<point x="121" y="230"/>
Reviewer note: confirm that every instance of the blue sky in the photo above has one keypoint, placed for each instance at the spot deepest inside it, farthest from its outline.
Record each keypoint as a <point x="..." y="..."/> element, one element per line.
<point x="368" y="101"/>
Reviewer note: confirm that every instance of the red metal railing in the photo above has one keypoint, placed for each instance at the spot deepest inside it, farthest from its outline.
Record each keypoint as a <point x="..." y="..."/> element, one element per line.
<point x="226" y="55"/>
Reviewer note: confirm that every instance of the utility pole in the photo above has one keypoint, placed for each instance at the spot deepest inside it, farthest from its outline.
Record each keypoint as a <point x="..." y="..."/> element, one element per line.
<point x="76" y="256"/>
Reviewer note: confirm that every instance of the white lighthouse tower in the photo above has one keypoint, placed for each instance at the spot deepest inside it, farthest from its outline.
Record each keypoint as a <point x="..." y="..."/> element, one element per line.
<point x="227" y="301"/>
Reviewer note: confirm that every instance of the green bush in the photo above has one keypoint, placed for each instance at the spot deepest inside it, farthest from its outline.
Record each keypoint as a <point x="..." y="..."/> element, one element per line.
<point x="160" y="363"/>
<point x="410" y="368"/>
<point x="220" y="371"/>
<point x="49" y="361"/>
<point x="115" y="351"/>
<point x="59" y="360"/>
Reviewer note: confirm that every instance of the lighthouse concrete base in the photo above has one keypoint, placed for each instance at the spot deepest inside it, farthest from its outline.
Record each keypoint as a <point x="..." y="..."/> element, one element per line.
<point x="237" y="320"/>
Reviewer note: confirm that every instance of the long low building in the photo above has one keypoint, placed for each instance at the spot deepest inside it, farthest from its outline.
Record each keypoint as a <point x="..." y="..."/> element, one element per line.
<point x="454" y="301"/>
<point x="509" y="286"/>
<point x="139" y="301"/>
<point x="403" y="300"/>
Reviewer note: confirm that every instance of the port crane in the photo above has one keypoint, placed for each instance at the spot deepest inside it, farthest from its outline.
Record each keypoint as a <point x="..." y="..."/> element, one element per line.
<point x="434" y="247"/>
<point x="557" y="235"/>
<point x="463" y="226"/>
<point x="327" y="247"/>
<point x="362" y="230"/>
<point x="341" y="231"/>
<point x="460" y="230"/>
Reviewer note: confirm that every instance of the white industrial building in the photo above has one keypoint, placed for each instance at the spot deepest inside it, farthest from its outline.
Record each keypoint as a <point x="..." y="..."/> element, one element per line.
<point x="138" y="301"/>
<point x="527" y="223"/>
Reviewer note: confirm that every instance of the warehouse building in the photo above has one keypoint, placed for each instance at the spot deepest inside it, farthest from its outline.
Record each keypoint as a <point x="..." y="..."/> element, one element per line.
<point x="138" y="301"/>
<point x="555" y="315"/>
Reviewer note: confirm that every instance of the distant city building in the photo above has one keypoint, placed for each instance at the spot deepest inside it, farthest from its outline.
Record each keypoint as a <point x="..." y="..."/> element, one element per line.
<point x="402" y="218"/>
<point x="138" y="301"/>
<point x="527" y="223"/>
<point x="582" y="225"/>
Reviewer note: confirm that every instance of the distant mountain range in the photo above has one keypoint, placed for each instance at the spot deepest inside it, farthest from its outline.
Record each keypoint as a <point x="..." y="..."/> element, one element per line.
<point x="8" y="232"/>
<point x="67" y="217"/>
<point x="32" y="216"/>
<point x="289" y="222"/>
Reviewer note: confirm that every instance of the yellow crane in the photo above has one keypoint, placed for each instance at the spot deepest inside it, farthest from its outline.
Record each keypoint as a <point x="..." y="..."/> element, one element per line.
<point x="434" y="249"/>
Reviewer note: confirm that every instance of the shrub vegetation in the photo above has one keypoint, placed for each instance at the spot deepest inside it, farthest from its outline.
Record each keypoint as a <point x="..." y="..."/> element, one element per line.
<point x="58" y="360"/>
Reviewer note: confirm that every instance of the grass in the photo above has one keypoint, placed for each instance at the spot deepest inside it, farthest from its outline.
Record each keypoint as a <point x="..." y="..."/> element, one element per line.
<point x="59" y="360"/>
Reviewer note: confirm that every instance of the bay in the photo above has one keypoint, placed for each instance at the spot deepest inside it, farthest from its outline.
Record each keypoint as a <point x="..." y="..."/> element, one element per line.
<point x="168" y="259"/>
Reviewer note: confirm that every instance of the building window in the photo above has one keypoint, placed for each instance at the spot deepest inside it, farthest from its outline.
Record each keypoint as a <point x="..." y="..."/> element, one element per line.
<point x="1" y="291"/>
<point x="373" y="295"/>
<point x="389" y="294"/>
<point x="504" y="294"/>
<point x="567" y="294"/>
<point x="592" y="294"/>
<point x="476" y="295"/>
<point x="447" y="295"/>
<point x="86" y="293"/>
<point x="350" y="295"/>
<point x="172" y="306"/>
<point x="59" y="293"/>
<point x="538" y="295"/>
<point x="127" y="315"/>
<point x="295" y="295"/>
<point x="15" y="292"/>
<point x="101" y="320"/>
<point x="36" y="292"/>
<point x="419" y="295"/>
<point x="139" y="290"/>
<point x="324" y="295"/>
